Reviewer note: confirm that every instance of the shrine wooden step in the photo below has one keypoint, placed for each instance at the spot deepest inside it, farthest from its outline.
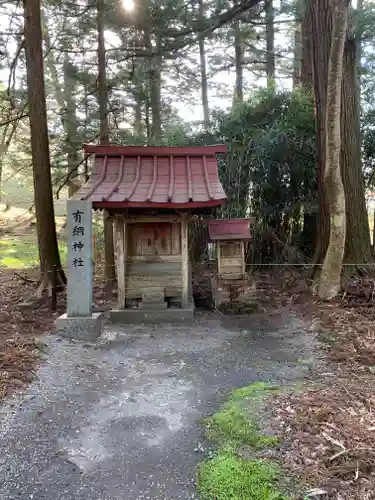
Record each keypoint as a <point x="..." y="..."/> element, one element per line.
<point x="153" y="306"/>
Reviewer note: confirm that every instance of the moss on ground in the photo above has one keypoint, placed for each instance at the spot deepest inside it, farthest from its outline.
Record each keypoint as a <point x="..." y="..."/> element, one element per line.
<point x="236" y="423"/>
<point x="21" y="251"/>
<point x="229" y="476"/>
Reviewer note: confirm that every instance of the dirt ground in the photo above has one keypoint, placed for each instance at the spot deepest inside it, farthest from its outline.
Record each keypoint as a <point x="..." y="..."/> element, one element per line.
<point x="328" y="428"/>
<point x="122" y="419"/>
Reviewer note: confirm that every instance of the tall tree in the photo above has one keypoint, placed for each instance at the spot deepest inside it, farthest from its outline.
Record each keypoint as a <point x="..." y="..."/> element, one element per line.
<point x="330" y="278"/>
<point x="270" y="42"/>
<point x="297" y="56"/>
<point x="50" y="265"/>
<point x="306" y="52"/>
<point x="358" y="244"/>
<point x="239" y="61"/>
<point x="320" y="30"/>
<point x="203" y="69"/>
<point x="109" y="250"/>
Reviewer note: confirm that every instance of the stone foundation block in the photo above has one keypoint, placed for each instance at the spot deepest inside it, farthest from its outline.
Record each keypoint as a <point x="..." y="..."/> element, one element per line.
<point x="85" y="328"/>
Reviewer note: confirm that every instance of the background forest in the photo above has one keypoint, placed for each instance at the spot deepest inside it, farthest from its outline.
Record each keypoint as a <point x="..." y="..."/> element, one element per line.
<point x="264" y="77"/>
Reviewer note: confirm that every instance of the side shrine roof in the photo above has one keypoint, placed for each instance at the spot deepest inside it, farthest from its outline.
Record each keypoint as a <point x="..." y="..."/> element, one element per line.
<point x="229" y="229"/>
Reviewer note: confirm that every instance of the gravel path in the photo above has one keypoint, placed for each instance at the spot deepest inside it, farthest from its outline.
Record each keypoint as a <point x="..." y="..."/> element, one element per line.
<point x="120" y="420"/>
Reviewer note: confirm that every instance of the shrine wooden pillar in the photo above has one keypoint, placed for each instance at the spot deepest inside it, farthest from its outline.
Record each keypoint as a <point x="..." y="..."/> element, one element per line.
<point x="185" y="261"/>
<point x="121" y="257"/>
<point x="243" y="257"/>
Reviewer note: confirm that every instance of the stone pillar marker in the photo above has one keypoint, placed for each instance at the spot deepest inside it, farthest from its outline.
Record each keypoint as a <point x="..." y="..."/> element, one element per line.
<point x="79" y="219"/>
<point x="79" y="322"/>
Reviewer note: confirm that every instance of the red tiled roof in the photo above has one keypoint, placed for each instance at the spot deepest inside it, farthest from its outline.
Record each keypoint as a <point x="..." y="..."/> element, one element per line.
<point x="229" y="229"/>
<point x="131" y="176"/>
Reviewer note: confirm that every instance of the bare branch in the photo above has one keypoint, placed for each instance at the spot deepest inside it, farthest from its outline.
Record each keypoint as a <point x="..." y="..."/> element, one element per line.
<point x="12" y="72"/>
<point x="16" y="118"/>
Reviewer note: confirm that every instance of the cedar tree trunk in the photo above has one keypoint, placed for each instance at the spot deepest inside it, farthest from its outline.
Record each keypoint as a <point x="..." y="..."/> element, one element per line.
<point x="320" y="32"/>
<point x="203" y="71"/>
<point x="330" y="278"/>
<point x="270" y="43"/>
<point x="109" y="251"/>
<point x="239" y="61"/>
<point x="358" y="244"/>
<point x="50" y="265"/>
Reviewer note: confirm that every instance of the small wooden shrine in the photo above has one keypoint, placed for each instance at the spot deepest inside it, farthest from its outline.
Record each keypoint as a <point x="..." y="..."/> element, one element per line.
<point x="231" y="285"/>
<point x="151" y="192"/>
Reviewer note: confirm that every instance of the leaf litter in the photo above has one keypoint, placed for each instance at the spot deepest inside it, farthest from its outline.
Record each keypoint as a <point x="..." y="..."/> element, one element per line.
<point x="23" y="322"/>
<point x="328" y="426"/>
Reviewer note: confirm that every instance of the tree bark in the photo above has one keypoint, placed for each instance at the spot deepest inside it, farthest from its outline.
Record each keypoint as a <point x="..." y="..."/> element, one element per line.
<point x="270" y="43"/>
<point x="358" y="244"/>
<point x="50" y="265"/>
<point x="109" y="251"/>
<point x="320" y="31"/>
<point x="359" y="34"/>
<point x="155" y="94"/>
<point x="239" y="61"/>
<point x="154" y="76"/>
<point x="67" y="106"/>
<point x="297" y="56"/>
<point x="309" y="231"/>
<point x="330" y="278"/>
<point x="203" y="70"/>
<point x="138" y="126"/>
<point x="306" y="63"/>
<point x="71" y="127"/>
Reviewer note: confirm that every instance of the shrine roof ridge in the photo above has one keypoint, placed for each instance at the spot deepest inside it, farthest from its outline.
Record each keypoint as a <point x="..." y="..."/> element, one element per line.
<point x="114" y="150"/>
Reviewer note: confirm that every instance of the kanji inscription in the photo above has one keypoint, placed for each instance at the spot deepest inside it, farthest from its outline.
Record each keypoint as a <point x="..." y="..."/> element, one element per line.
<point x="80" y="258"/>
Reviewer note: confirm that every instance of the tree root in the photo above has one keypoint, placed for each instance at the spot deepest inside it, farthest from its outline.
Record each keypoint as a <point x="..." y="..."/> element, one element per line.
<point x="51" y="282"/>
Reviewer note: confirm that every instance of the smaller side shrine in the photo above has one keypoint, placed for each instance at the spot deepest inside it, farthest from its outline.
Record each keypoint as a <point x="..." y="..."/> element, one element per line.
<point x="232" y="287"/>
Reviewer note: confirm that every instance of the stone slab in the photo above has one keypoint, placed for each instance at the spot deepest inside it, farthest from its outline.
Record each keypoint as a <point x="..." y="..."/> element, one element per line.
<point x="137" y="316"/>
<point x="79" y="294"/>
<point x="80" y="328"/>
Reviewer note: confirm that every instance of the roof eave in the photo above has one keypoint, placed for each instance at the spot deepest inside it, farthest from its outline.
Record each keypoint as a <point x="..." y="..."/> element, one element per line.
<point x="147" y="204"/>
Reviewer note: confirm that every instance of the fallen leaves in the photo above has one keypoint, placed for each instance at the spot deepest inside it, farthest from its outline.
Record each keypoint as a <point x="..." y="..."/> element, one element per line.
<point x="22" y="322"/>
<point x="17" y="364"/>
<point x="329" y="426"/>
<point x="18" y="348"/>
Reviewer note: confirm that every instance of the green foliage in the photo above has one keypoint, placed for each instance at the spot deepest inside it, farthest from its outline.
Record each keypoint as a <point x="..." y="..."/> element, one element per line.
<point x="270" y="169"/>
<point x="272" y="140"/>
<point x="229" y="477"/>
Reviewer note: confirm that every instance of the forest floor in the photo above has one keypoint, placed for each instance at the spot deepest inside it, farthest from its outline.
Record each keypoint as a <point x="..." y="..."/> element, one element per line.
<point x="327" y="426"/>
<point x="22" y="317"/>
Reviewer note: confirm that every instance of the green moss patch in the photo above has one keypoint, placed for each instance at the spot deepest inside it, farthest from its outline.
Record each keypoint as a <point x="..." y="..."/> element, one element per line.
<point x="20" y="252"/>
<point x="236" y="423"/>
<point x="229" y="476"/>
